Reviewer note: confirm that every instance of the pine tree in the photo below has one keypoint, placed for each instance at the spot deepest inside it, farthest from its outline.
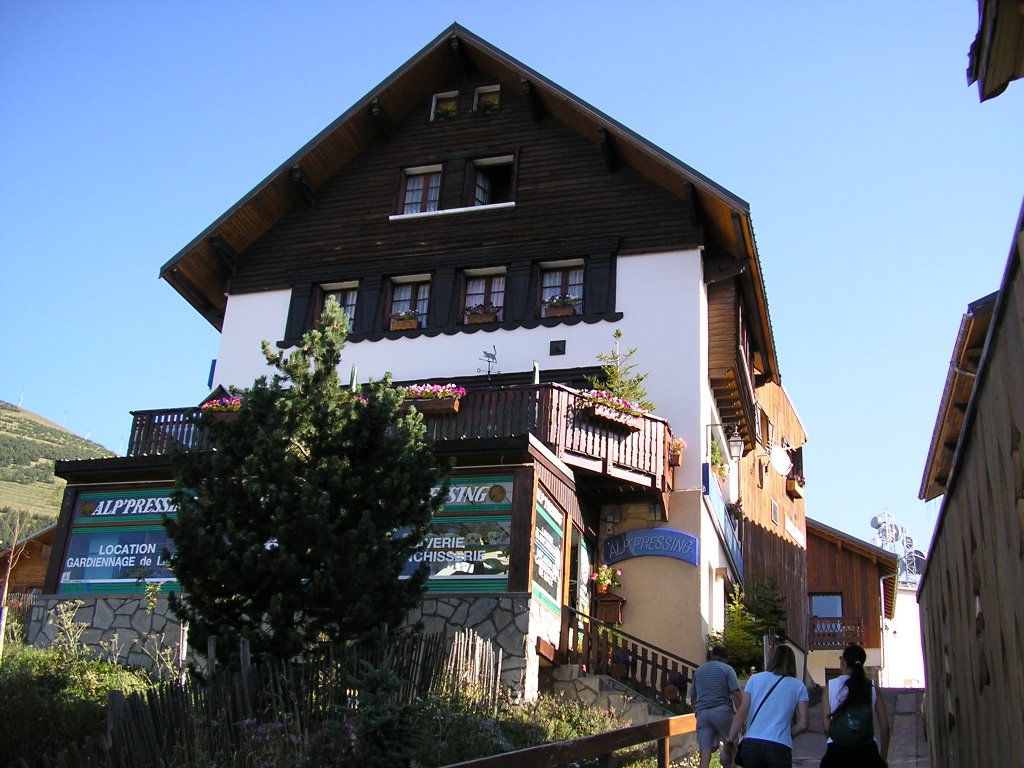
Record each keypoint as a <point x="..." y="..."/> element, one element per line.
<point x="294" y="530"/>
<point x="617" y="377"/>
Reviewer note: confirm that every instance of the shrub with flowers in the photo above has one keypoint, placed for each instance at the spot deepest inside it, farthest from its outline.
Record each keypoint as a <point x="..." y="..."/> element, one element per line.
<point x="562" y="300"/>
<point x="606" y="576"/>
<point x="798" y="479"/>
<point x="221" y="404"/>
<point x="676" y="447"/>
<point x="621" y="404"/>
<point x="433" y="391"/>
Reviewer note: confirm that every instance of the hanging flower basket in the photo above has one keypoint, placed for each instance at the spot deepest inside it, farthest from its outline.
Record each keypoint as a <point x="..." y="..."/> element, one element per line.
<point x="437" y="405"/>
<point x="560" y="311"/>
<point x="434" y="398"/>
<point x="479" y="318"/>
<point x="611" y="417"/>
<point x="795" y="487"/>
<point x="398" y="324"/>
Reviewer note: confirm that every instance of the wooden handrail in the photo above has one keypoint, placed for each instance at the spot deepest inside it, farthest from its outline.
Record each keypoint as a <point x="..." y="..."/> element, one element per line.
<point x="601" y="746"/>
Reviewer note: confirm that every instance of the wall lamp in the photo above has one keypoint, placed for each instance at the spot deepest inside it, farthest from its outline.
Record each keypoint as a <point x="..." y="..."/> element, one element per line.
<point x="734" y="440"/>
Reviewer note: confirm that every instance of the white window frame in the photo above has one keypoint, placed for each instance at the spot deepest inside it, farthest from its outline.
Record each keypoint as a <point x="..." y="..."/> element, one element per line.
<point x="445" y="95"/>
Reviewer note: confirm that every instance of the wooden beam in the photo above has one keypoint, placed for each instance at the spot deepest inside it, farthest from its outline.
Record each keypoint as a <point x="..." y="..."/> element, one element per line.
<point x="381" y="119"/>
<point x="741" y="243"/>
<point x="607" y="148"/>
<point x="533" y="102"/>
<point x="305" y="185"/>
<point x="461" y="58"/>
<point x="224" y="251"/>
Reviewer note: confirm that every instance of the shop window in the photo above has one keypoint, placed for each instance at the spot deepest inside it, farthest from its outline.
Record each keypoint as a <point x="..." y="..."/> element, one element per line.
<point x="561" y="289"/>
<point x="491" y="180"/>
<point x="421" y="189"/>
<point x="444" y="105"/>
<point x="487" y="99"/>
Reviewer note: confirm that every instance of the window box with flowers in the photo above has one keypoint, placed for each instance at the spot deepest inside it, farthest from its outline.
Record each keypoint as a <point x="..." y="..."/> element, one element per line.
<point x="795" y="486"/>
<point x="434" y="398"/>
<point x="221" y="409"/>
<point x="605" y="578"/>
<point x="676" y="448"/>
<point x="561" y="305"/>
<point x="404" y="321"/>
<point x="481" y="313"/>
<point x="612" y="411"/>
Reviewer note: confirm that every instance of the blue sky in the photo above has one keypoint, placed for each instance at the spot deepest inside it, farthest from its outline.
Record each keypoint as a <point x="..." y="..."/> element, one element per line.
<point x="883" y="193"/>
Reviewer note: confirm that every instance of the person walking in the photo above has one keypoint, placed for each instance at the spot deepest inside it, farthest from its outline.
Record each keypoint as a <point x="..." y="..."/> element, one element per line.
<point x="715" y="695"/>
<point x="769" y="702"/>
<point x="847" y="714"/>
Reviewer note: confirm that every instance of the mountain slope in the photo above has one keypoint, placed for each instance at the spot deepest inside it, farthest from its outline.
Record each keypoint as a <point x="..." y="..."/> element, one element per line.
<point x="29" y="446"/>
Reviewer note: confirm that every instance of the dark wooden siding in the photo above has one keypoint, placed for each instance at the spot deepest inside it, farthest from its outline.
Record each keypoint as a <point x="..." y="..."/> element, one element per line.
<point x="767" y="555"/>
<point x="567" y="204"/>
<point x="723" y="335"/>
<point x="833" y="568"/>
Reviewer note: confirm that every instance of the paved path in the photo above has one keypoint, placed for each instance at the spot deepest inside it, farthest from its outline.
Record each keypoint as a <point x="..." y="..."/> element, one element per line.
<point x="907" y="745"/>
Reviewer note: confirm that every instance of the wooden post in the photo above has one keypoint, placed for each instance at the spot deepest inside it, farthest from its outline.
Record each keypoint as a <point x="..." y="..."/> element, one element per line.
<point x="211" y="656"/>
<point x="115" y="712"/>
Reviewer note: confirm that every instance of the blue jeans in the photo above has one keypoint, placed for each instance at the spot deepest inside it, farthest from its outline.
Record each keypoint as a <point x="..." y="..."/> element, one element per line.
<point x="760" y="753"/>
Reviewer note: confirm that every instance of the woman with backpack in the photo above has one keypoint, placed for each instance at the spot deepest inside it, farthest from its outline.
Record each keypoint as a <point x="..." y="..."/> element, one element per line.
<point x="848" y="713"/>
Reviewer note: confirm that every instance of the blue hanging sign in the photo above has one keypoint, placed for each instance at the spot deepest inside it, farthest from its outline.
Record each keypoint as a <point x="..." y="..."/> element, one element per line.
<point x="652" y="542"/>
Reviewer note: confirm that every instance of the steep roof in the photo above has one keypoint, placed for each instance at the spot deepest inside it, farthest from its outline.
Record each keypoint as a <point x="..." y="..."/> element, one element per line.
<point x="200" y="272"/>
<point x="956" y="394"/>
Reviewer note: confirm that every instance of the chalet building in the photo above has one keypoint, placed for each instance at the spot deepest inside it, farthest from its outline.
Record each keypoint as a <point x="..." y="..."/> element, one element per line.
<point x="481" y="225"/>
<point x="851" y="593"/>
<point x="27" y="573"/>
<point x="971" y="612"/>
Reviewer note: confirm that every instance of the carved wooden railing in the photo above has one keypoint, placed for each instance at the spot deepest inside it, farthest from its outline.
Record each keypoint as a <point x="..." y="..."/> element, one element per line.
<point x="825" y="632"/>
<point x="604" y="649"/>
<point x="556" y="415"/>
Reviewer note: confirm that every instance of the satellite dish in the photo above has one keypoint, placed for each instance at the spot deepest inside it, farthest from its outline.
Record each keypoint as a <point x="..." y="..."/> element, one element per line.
<point x="780" y="460"/>
<point x="876" y="522"/>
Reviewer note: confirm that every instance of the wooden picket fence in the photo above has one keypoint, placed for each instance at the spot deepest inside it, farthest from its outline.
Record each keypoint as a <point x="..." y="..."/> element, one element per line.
<point x="189" y="722"/>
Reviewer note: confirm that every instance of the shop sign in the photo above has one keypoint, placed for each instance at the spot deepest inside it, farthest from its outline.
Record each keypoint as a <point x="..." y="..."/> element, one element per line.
<point x="116" y="560"/>
<point x="652" y="542"/>
<point x="464" y="553"/>
<point x="479" y="494"/>
<point x="128" y="506"/>
<point x="547" y="553"/>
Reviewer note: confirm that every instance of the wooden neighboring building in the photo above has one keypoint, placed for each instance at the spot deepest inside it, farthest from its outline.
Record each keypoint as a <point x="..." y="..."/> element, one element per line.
<point x="972" y="615"/>
<point x="851" y="590"/>
<point x="28" y="574"/>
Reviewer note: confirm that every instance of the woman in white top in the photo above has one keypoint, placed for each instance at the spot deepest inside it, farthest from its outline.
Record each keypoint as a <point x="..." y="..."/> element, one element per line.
<point x="852" y="696"/>
<point x="770" y="700"/>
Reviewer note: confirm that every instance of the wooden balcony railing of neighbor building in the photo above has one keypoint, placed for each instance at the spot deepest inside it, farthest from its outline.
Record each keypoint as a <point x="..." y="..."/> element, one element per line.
<point x="556" y="415"/>
<point x="827" y="632"/>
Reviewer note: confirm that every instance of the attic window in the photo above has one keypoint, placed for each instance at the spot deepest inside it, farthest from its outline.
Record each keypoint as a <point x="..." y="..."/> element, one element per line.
<point x="444" y="105"/>
<point x="487" y="99"/>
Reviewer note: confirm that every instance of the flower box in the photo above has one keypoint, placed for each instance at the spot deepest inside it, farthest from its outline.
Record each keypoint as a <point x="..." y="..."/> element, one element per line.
<point x="794" y="488"/>
<point x="404" y="325"/>
<point x="433" y="404"/>
<point x="480" y="318"/>
<point x="612" y="418"/>
<point x="560" y="311"/>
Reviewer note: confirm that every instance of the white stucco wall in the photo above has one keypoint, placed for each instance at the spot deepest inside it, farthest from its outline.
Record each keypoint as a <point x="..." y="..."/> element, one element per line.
<point x="901" y="643"/>
<point x="661" y="297"/>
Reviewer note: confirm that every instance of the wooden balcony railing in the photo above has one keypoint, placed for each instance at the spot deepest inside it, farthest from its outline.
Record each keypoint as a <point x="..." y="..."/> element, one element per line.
<point x="604" y="649"/>
<point x="554" y="414"/>
<point x="828" y="632"/>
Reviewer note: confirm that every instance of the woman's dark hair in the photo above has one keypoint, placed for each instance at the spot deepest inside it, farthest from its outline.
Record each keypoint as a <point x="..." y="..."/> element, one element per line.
<point x="858" y="689"/>
<point x="783" y="661"/>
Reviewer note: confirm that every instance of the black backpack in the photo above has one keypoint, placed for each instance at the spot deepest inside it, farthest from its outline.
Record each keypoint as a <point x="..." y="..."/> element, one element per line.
<point x="852" y="726"/>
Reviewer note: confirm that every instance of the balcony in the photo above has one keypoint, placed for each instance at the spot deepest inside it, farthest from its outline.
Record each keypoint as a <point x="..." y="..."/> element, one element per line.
<point x="554" y="414"/>
<point x="834" y="632"/>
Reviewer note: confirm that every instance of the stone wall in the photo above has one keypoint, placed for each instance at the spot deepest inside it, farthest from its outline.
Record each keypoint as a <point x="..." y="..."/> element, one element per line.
<point x="133" y="631"/>
<point x="504" y="619"/>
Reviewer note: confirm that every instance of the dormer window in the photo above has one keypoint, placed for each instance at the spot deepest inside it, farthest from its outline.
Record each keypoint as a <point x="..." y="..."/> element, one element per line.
<point x="444" y="105"/>
<point x="492" y="180"/>
<point x="487" y="99"/>
<point x="421" y="189"/>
